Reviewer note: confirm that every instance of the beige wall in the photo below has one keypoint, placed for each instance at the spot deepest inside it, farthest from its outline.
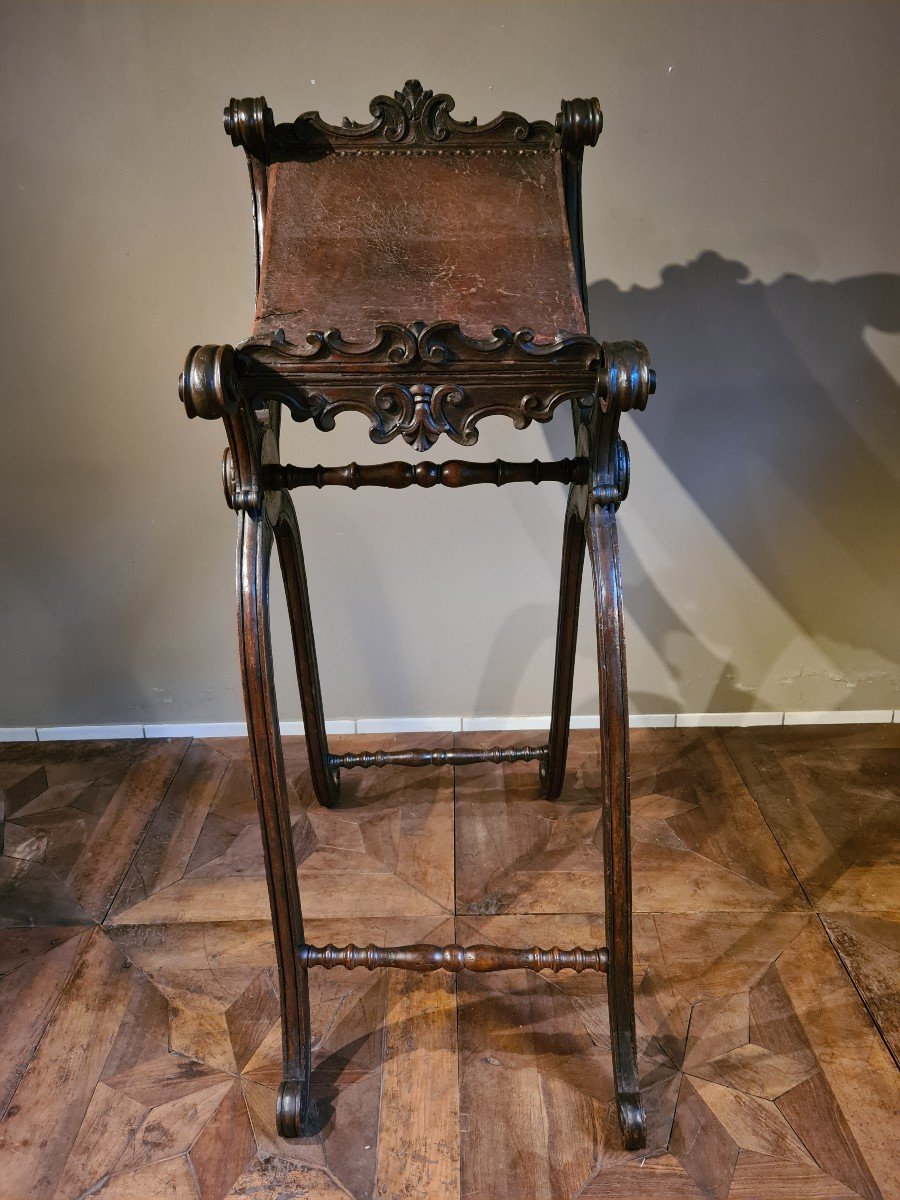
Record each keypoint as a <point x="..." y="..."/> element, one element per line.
<point x="741" y="218"/>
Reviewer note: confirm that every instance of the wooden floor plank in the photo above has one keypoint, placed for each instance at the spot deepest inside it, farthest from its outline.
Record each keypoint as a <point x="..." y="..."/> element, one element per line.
<point x="143" y="1057"/>
<point x="534" y="1087"/>
<point x="28" y="995"/>
<point x="831" y="798"/>
<point x="418" y="1135"/>
<point x="74" y="838"/>
<point x="97" y="872"/>
<point x="172" y="833"/>
<point x="869" y="946"/>
<point x="49" y="1104"/>
<point x="386" y="850"/>
<point x="700" y="842"/>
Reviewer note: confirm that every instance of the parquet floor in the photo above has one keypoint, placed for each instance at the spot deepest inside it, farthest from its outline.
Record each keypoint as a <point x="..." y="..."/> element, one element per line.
<point x="139" y="1048"/>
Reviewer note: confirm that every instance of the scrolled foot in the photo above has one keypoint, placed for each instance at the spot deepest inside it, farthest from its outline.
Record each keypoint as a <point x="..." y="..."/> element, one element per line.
<point x="632" y="1120"/>
<point x="292" y="1108"/>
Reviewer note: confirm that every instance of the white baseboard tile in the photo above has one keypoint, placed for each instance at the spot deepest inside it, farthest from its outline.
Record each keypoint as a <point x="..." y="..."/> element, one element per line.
<point x="501" y="724"/>
<point x="87" y="733"/>
<point x="650" y="721"/>
<point x="295" y="728"/>
<point x="578" y="721"/>
<point x="739" y="719"/>
<point x="338" y="726"/>
<point x="841" y="716"/>
<point x="220" y="729"/>
<point x="389" y="725"/>
<point x="197" y="729"/>
<point x="410" y="725"/>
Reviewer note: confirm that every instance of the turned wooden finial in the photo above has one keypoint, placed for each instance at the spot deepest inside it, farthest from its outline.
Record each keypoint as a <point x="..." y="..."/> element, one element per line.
<point x="208" y="385"/>
<point x="579" y="123"/>
<point x="626" y="378"/>
<point x="250" y="123"/>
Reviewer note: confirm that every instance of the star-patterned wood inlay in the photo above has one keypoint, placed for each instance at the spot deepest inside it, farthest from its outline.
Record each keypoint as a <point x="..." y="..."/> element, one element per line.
<point x="140" y="1047"/>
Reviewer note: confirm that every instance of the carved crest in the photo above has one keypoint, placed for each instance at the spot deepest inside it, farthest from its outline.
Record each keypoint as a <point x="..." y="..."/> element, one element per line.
<point x="415" y="116"/>
<point x="409" y="121"/>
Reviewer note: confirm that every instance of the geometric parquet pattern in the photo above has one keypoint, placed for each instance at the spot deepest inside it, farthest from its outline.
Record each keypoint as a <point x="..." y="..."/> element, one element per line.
<point x="139" y="1028"/>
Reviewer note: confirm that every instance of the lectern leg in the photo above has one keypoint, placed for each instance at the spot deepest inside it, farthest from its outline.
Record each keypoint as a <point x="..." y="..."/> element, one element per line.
<point x="325" y="778"/>
<point x="604" y="551"/>
<point x="553" y="769"/>
<point x="267" y="763"/>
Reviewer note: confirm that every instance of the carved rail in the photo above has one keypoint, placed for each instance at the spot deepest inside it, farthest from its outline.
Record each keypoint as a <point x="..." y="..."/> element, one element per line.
<point x="453" y="474"/>
<point x="437" y="758"/>
<point x="453" y="958"/>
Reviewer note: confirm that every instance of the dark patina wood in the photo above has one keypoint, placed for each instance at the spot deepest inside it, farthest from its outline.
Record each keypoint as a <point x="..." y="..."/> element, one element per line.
<point x="357" y="227"/>
<point x="420" y="381"/>
<point x="454" y="958"/>
<point x="456" y="473"/>
<point x="459" y="757"/>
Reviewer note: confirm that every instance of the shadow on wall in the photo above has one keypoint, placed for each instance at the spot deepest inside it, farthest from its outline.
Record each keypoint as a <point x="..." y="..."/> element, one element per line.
<point x="779" y="421"/>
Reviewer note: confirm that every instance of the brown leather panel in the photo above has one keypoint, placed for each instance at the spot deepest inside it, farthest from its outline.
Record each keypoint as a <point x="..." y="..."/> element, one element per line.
<point x="357" y="239"/>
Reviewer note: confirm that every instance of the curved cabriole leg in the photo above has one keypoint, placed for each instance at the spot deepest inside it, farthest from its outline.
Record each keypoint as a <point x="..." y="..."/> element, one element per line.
<point x="553" y="768"/>
<point x="325" y="779"/>
<point x="604" y="551"/>
<point x="267" y="762"/>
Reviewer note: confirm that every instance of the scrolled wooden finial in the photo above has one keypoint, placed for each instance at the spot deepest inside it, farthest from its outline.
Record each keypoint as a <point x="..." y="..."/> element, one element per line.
<point x="250" y="123"/>
<point x="208" y="386"/>
<point x="579" y="123"/>
<point x="626" y="378"/>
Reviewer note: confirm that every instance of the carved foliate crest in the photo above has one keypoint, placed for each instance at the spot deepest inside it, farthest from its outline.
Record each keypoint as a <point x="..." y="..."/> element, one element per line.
<point x="415" y="116"/>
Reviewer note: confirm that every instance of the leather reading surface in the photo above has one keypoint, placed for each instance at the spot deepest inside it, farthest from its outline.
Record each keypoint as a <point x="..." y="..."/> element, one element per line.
<point x="480" y="238"/>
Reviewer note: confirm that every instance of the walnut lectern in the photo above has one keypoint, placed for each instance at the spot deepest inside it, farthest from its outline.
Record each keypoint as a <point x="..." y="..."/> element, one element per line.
<point x="425" y="272"/>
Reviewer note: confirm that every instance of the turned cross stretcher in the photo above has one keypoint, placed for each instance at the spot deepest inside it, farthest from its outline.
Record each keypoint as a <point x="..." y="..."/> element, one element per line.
<point x="426" y="273"/>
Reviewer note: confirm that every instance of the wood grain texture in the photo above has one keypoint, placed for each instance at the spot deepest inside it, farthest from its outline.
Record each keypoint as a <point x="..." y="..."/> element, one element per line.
<point x="418" y="1135"/>
<point x="142" y="1052"/>
<point x="832" y="803"/>
<point x="869" y="947"/>
<point x="699" y="840"/>
<point x="386" y="849"/>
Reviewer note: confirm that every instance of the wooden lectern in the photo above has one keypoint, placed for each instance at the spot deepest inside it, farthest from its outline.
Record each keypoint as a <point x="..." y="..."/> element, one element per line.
<point x="424" y="272"/>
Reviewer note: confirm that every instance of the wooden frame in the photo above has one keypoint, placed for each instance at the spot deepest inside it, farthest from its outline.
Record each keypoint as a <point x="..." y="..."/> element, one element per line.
<point x="419" y="381"/>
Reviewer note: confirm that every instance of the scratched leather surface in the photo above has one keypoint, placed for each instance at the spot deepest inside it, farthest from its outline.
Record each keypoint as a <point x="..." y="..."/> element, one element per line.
<point x="482" y="239"/>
